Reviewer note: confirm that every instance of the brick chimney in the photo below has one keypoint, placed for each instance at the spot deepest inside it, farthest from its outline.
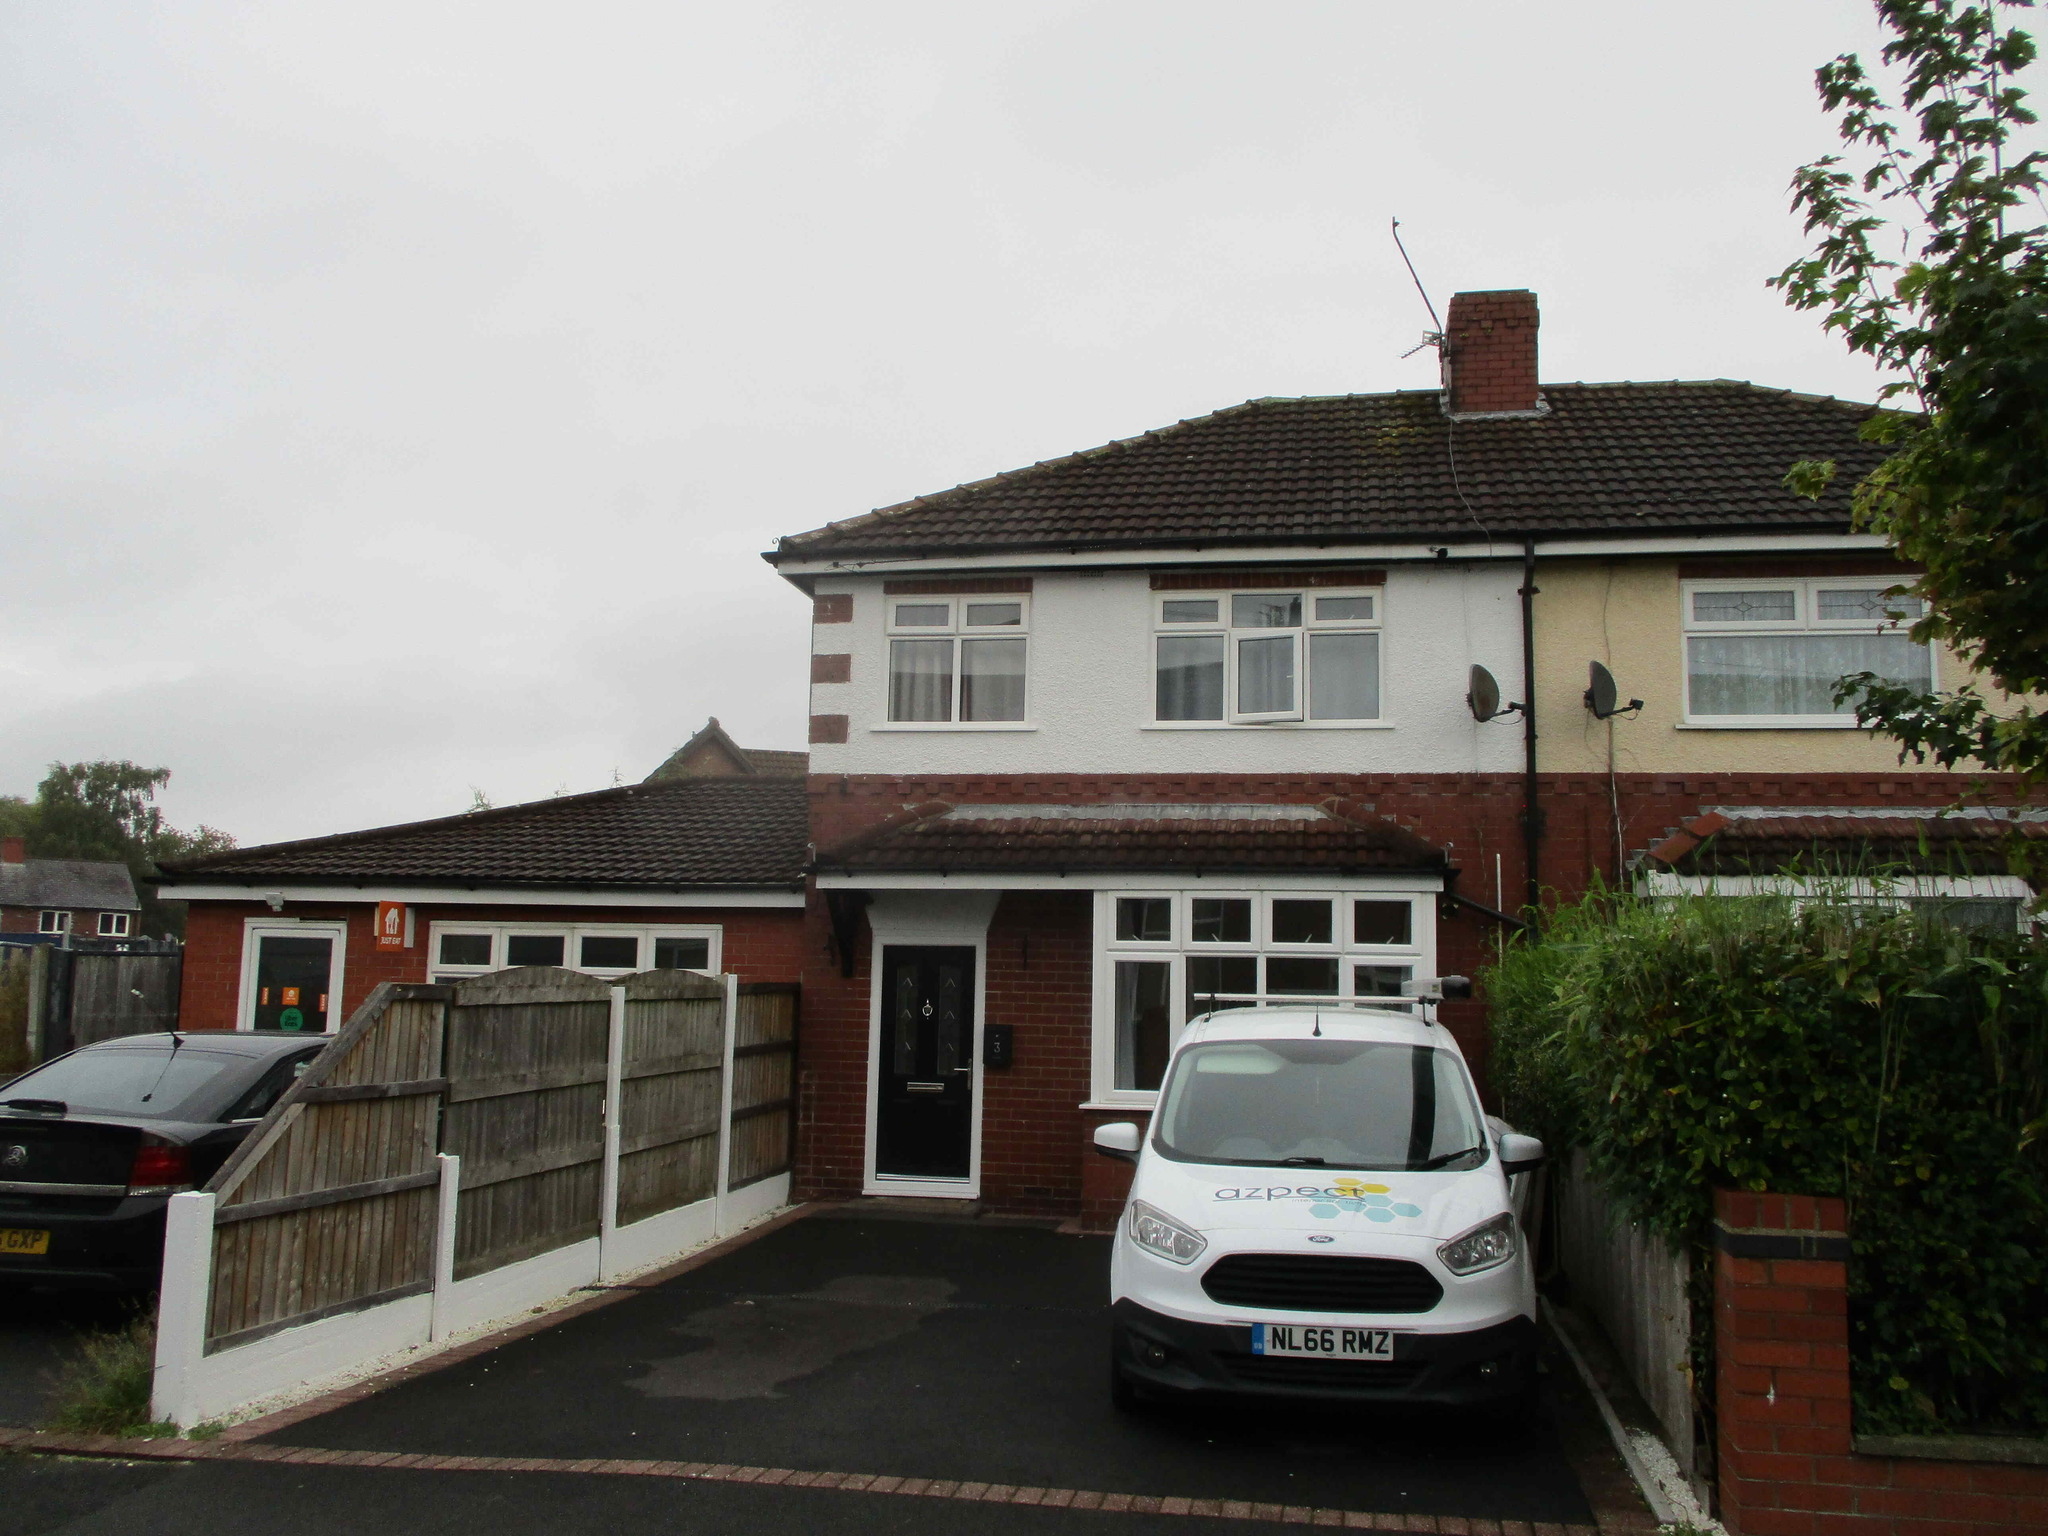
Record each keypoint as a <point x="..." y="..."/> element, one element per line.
<point x="13" y="850"/>
<point x="1490" y="353"/>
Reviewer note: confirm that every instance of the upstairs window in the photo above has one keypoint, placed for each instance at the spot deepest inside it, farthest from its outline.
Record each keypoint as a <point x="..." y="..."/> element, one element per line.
<point x="1768" y="652"/>
<point x="53" y="922"/>
<point x="958" y="658"/>
<point x="113" y="925"/>
<point x="1258" y="658"/>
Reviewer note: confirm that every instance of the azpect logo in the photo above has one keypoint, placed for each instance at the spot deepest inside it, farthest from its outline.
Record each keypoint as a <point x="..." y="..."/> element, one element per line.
<point x="1354" y="1197"/>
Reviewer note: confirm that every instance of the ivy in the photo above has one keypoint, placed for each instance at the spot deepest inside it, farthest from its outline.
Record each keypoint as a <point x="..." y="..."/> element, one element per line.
<point x="1897" y="1062"/>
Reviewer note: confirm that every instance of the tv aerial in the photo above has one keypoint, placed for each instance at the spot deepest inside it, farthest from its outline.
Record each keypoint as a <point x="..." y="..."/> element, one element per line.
<point x="1603" y="698"/>
<point x="1483" y="697"/>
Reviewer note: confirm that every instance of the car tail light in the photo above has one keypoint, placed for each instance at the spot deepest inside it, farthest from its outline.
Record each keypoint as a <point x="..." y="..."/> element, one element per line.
<point x="160" y="1168"/>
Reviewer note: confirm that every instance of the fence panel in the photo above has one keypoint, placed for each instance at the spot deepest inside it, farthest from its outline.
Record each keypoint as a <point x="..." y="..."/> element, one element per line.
<point x="328" y="1206"/>
<point x="525" y="1112"/>
<point x="670" y="1087"/>
<point x="115" y="995"/>
<point x="764" y="1082"/>
<point x="17" y="979"/>
<point x="1636" y="1285"/>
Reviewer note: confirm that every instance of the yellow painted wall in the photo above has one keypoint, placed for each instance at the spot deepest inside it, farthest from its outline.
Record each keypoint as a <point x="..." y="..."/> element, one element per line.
<point x="1626" y="613"/>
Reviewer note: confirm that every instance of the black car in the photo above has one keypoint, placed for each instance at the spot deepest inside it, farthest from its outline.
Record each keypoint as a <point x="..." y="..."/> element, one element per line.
<point x="95" y="1142"/>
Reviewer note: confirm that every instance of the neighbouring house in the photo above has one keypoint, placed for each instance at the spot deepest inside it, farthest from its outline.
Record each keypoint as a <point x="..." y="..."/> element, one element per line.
<point x="63" y="901"/>
<point x="700" y="872"/>
<point x="711" y="754"/>
<point x="1195" y="718"/>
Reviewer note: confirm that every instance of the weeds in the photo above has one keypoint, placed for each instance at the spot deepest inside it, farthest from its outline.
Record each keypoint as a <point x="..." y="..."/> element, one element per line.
<point x="105" y="1388"/>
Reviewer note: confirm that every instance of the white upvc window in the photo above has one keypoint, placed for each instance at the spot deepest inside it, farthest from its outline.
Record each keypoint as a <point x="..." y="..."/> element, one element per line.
<point x="53" y="922"/>
<point x="1263" y="658"/>
<point x="1767" y="652"/>
<point x="113" y="925"/>
<point x="958" y="658"/>
<point x="458" y="950"/>
<point x="1165" y="957"/>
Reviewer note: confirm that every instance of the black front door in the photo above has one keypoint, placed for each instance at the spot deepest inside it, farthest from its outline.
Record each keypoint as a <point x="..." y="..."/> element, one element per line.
<point x="924" y="1099"/>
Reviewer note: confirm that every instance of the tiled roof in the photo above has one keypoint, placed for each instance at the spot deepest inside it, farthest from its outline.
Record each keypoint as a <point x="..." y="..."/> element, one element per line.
<point x="677" y="833"/>
<point x="1608" y="459"/>
<point x="983" y="838"/>
<point x="1848" y="840"/>
<point x="711" y="753"/>
<point x="78" y="885"/>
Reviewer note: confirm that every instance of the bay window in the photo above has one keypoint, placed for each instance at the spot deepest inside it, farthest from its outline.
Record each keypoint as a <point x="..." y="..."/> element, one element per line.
<point x="957" y="658"/>
<point x="1166" y="957"/>
<point x="1258" y="658"/>
<point x="1768" y="652"/>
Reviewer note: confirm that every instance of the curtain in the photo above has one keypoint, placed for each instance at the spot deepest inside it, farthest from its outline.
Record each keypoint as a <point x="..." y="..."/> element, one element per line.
<point x="1265" y="675"/>
<point x="1190" y="677"/>
<point x="920" y="679"/>
<point x="991" y="679"/>
<point x="1793" y="674"/>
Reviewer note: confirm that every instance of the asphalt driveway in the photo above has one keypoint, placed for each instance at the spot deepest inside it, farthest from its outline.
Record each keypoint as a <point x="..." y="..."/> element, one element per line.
<point x="854" y="1343"/>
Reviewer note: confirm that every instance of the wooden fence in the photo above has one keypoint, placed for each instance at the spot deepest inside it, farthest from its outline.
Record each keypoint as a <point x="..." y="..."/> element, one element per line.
<point x="329" y="1204"/>
<point x="518" y="1113"/>
<point x="54" y="999"/>
<point x="764" y="1082"/>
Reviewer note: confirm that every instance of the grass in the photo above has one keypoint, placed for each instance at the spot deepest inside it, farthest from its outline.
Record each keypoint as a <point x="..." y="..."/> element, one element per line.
<point x="104" y="1389"/>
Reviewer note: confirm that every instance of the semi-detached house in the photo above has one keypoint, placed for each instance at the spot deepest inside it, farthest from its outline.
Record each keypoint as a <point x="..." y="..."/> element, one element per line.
<point x="1188" y="719"/>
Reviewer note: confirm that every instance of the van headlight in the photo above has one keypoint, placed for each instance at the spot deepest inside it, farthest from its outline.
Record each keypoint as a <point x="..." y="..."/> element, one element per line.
<point x="1489" y="1244"/>
<point x="1157" y="1232"/>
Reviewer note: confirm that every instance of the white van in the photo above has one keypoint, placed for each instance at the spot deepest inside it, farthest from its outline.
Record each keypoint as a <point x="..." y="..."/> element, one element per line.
<point x="1321" y="1210"/>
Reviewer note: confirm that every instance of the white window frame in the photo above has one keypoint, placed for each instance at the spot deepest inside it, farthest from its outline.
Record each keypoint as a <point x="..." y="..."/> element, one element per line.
<point x="1301" y="638"/>
<point x="254" y="929"/>
<point x="957" y="630"/>
<point x="1418" y="955"/>
<point x="572" y="935"/>
<point x="53" y="920"/>
<point x="1805" y="607"/>
<point x="114" y="925"/>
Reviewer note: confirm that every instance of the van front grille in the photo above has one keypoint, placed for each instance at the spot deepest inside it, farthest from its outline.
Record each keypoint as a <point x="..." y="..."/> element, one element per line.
<point x="1321" y="1282"/>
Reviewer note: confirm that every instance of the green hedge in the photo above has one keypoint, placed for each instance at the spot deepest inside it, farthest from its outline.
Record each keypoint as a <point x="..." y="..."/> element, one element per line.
<point x="1828" y="1050"/>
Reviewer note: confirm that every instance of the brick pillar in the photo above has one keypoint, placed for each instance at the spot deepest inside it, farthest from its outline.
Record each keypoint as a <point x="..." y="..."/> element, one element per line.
<point x="1781" y="1353"/>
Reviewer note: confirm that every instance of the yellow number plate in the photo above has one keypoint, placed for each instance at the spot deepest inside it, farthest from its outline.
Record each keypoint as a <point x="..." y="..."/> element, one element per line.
<point x="21" y="1240"/>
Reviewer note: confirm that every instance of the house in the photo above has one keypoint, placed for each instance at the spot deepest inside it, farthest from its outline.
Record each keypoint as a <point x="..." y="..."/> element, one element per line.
<point x="698" y="872"/>
<point x="62" y="901"/>
<point x="711" y="754"/>
<point x="1199" y="717"/>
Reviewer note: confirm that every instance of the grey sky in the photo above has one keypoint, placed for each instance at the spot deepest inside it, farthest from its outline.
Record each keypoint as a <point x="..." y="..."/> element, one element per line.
<point x="397" y="396"/>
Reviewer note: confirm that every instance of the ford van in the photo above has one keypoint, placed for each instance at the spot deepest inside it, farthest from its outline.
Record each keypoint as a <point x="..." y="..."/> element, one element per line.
<point x="1320" y="1209"/>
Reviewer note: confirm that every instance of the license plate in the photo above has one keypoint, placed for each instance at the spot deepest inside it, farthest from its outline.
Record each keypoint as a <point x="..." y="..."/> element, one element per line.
<point x="1323" y="1343"/>
<point x="22" y="1240"/>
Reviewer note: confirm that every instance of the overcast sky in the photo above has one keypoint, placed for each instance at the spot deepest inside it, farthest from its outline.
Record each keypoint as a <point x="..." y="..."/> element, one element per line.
<point x="397" y="397"/>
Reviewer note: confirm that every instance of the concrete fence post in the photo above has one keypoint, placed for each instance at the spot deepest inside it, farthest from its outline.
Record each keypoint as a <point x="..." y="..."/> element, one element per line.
<point x="446" y="1197"/>
<point x="614" y="1117"/>
<point x="732" y="1021"/>
<point x="181" y="1309"/>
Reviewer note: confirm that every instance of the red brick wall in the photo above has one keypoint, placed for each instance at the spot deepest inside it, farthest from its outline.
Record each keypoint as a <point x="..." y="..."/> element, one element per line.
<point x="1490" y="351"/>
<point x="760" y="944"/>
<point x="1788" y="1459"/>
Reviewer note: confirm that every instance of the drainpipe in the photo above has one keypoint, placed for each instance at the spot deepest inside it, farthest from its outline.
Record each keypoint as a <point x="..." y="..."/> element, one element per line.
<point x="1532" y="814"/>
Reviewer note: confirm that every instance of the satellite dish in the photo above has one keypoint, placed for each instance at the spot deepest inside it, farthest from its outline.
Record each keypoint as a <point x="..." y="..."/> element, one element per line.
<point x="1603" y="697"/>
<point x="1484" y="697"/>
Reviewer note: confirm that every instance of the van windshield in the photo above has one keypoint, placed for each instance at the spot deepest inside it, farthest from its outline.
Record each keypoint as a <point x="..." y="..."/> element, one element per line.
<point x="1319" y="1104"/>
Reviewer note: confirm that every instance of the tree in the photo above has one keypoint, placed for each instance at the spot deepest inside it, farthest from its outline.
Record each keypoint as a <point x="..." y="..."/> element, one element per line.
<point x="106" y="811"/>
<point x="1961" y="313"/>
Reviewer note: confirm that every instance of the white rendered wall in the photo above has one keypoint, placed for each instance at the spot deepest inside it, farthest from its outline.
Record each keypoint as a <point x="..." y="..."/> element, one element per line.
<point x="1090" y="688"/>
